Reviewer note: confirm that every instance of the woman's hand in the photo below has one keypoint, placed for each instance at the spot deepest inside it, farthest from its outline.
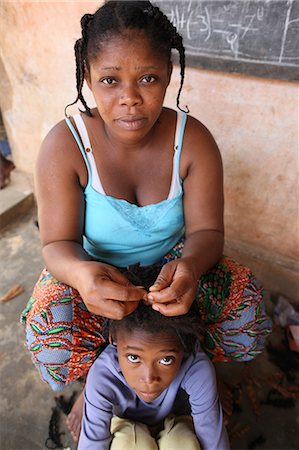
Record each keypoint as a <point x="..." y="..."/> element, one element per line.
<point x="174" y="290"/>
<point x="107" y="292"/>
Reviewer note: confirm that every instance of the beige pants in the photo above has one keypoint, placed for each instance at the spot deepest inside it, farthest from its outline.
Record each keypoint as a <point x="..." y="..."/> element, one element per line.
<point x="177" y="434"/>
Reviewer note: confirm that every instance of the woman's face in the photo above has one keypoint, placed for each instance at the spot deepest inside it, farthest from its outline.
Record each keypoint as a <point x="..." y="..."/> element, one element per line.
<point x="128" y="80"/>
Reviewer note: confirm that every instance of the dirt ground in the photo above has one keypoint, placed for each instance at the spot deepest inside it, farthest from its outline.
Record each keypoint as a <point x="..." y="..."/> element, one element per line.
<point x="265" y="412"/>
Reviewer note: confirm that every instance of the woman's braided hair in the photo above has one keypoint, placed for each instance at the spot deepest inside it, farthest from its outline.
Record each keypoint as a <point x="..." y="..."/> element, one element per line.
<point x="186" y="328"/>
<point x="116" y="17"/>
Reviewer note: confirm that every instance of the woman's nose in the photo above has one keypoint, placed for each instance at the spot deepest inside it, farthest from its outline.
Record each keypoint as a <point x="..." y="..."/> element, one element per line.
<point x="130" y="96"/>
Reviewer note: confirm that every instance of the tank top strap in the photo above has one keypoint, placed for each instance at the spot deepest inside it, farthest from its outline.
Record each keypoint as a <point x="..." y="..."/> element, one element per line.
<point x="79" y="142"/>
<point x="83" y="142"/>
<point x="178" y="143"/>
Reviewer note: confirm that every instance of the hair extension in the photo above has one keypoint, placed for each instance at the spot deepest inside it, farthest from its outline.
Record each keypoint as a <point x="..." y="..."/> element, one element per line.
<point x="53" y="433"/>
<point x="142" y="275"/>
<point x="116" y="17"/>
<point x="65" y="405"/>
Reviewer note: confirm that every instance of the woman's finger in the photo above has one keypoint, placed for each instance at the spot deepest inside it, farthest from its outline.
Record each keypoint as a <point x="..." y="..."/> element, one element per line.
<point x="112" y="309"/>
<point x="172" y="309"/>
<point x="164" y="278"/>
<point x="114" y="291"/>
<point x="113" y="274"/>
<point x="178" y="288"/>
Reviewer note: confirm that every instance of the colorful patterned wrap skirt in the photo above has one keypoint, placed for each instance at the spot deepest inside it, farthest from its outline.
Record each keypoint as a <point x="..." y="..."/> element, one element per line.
<point x="64" y="338"/>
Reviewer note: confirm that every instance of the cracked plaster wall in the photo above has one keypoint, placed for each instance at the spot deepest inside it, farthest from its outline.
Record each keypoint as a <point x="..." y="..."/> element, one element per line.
<point x="254" y="121"/>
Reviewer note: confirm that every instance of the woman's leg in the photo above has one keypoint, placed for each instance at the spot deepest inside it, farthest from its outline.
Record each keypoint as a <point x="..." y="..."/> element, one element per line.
<point x="63" y="337"/>
<point x="131" y="435"/>
<point x="178" y="434"/>
<point x="231" y="305"/>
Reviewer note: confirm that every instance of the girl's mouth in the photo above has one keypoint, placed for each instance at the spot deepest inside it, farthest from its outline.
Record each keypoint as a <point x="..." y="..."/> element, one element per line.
<point x="149" y="396"/>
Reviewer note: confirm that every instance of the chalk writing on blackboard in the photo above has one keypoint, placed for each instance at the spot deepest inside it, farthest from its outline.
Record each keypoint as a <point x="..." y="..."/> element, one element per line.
<point x="255" y="31"/>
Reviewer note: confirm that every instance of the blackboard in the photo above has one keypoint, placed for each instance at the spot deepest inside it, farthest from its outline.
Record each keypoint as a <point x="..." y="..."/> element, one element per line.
<point x="257" y="37"/>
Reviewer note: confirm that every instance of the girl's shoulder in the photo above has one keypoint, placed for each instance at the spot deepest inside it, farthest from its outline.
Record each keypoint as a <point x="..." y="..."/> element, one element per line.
<point x="198" y="363"/>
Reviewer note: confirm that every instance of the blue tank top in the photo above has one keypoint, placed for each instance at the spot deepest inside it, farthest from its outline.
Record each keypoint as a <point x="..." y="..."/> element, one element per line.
<point x="121" y="233"/>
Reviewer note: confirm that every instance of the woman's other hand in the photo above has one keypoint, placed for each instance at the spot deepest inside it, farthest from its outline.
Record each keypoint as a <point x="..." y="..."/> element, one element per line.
<point x="175" y="288"/>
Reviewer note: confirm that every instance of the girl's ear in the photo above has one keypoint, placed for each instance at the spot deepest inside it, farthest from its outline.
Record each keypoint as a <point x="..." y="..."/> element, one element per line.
<point x="111" y="340"/>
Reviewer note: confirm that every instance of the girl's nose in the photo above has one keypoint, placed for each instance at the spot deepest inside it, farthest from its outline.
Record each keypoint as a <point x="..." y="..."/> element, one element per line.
<point x="130" y="96"/>
<point x="149" y="375"/>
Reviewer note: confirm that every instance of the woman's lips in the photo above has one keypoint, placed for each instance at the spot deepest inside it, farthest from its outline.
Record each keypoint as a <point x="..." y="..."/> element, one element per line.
<point x="131" y="123"/>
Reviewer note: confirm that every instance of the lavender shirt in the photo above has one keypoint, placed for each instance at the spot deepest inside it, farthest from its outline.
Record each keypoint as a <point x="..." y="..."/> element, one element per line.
<point x="193" y="391"/>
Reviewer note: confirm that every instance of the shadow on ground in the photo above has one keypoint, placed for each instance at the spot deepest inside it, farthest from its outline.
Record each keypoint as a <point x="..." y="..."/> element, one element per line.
<point x="265" y="410"/>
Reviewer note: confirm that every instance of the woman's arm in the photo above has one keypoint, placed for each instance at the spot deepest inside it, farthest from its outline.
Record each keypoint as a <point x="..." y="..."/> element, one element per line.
<point x="201" y="170"/>
<point x="60" y="175"/>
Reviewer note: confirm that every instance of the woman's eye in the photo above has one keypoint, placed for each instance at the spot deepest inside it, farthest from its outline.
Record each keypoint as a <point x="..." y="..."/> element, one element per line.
<point x="133" y="358"/>
<point x="108" y="80"/>
<point x="167" y="360"/>
<point x="148" y="79"/>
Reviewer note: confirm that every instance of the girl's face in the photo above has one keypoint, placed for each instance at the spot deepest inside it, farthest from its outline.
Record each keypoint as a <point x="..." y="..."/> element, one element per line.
<point x="148" y="362"/>
<point x="128" y="80"/>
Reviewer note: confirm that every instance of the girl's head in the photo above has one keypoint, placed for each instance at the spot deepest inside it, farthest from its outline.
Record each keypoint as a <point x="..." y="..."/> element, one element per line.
<point x="185" y="329"/>
<point x="125" y="21"/>
<point x="151" y="348"/>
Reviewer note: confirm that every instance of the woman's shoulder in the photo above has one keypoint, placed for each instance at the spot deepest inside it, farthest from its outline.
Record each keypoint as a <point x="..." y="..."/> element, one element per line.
<point x="198" y="132"/>
<point x="59" y="144"/>
<point x="58" y="138"/>
<point x="60" y="151"/>
<point x="199" y="146"/>
<point x="194" y="128"/>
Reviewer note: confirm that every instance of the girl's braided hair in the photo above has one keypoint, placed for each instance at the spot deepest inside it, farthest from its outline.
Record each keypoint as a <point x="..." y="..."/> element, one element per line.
<point x="114" y="18"/>
<point x="187" y="328"/>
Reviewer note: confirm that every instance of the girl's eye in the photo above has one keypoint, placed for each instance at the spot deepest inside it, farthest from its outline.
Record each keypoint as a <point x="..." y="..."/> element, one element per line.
<point x="167" y="360"/>
<point x="148" y="79"/>
<point x="133" y="358"/>
<point x="108" y="80"/>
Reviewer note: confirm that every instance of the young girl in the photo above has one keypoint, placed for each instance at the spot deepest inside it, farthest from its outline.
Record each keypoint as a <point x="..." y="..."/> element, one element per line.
<point x="140" y="392"/>
<point x="127" y="182"/>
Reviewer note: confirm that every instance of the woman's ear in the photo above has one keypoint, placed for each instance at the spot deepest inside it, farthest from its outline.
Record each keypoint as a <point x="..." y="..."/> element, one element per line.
<point x="170" y="68"/>
<point x="87" y="76"/>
